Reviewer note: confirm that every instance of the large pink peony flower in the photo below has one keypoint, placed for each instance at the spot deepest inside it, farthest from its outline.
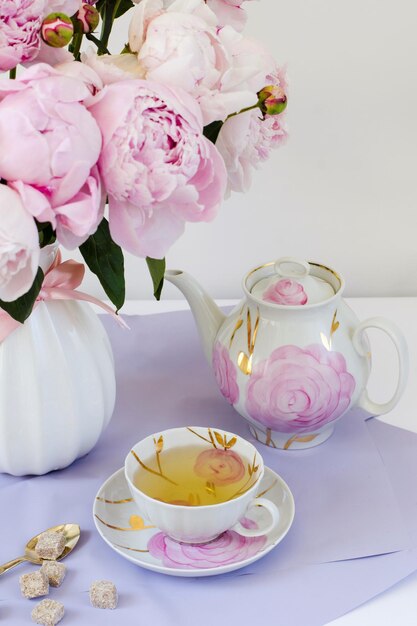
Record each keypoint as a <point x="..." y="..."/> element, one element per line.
<point x="229" y="12"/>
<point x="19" y="246"/>
<point x="52" y="165"/>
<point x="20" y="24"/>
<point x="158" y="169"/>
<point x="298" y="390"/>
<point x="52" y="56"/>
<point x="222" y="467"/>
<point x="287" y="292"/>
<point x="69" y="7"/>
<point x="228" y="548"/>
<point x="112" y="68"/>
<point x="225" y="373"/>
<point x="20" y="31"/>
<point x="179" y="43"/>
<point x="82" y="72"/>
<point x="246" y="140"/>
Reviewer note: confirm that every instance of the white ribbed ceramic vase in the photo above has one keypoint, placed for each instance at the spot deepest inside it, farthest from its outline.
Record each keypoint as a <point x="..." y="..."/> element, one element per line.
<point x="57" y="386"/>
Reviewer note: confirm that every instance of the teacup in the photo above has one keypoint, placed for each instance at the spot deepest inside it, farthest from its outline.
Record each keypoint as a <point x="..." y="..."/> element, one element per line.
<point x="201" y="523"/>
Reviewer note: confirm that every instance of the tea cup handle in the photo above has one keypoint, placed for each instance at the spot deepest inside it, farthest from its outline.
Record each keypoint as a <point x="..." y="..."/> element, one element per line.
<point x="257" y="532"/>
<point x="400" y="343"/>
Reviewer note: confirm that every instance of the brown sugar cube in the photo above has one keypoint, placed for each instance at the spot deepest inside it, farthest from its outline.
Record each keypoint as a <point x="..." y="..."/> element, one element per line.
<point x="48" y="612"/>
<point x="54" y="571"/>
<point x="34" y="585"/>
<point x="103" y="594"/>
<point x="50" y="545"/>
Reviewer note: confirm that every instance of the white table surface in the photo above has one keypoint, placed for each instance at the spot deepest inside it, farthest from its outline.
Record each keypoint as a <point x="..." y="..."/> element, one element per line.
<point x="398" y="605"/>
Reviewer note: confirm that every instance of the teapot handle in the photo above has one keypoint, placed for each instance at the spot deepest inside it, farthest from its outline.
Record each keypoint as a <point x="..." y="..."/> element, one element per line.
<point x="403" y="362"/>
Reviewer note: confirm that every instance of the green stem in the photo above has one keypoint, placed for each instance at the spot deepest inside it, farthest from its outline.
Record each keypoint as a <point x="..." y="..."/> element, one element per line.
<point x="251" y="108"/>
<point x="97" y="43"/>
<point x="103" y="24"/>
<point x="12" y="73"/>
<point x="76" y="45"/>
<point x="116" y="8"/>
<point x="108" y="19"/>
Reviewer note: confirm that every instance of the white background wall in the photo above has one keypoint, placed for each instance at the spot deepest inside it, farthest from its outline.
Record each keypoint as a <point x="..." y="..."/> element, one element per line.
<point x="343" y="190"/>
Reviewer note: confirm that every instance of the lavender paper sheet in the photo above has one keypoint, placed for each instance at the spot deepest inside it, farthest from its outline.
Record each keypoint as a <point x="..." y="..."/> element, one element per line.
<point x="340" y="488"/>
<point x="398" y="450"/>
<point x="149" y="386"/>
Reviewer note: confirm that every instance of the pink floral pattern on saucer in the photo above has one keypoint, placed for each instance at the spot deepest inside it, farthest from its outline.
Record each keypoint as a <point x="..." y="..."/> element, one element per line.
<point x="228" y="548"/>
<point x="225" y="373"/>
<point x="115" y="512"/>
<point x="287" y="292"/>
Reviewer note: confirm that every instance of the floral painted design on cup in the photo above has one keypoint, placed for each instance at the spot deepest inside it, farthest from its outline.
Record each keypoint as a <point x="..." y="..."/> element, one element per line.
<point x="248" y="523"/>
<point x="225" y="373"/>
<point x="228" y="548"/>
<point x="287" y="292"/>
<point x="221" y="467"/>
<point x="298" y="390"/>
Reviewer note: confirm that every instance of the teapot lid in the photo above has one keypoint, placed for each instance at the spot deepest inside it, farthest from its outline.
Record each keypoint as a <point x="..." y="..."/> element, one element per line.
<point x="293" y="282"/>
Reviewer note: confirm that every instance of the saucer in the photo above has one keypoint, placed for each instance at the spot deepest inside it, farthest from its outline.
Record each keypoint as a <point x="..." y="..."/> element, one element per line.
<point x="120" y="524"/>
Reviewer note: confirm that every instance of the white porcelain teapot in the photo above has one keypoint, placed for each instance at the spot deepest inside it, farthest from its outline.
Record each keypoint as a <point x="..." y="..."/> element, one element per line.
<point x="292" y="357"/>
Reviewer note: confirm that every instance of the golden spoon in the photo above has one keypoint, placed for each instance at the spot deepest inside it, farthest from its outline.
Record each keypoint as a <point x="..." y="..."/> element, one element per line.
<point x="72" y="534"/>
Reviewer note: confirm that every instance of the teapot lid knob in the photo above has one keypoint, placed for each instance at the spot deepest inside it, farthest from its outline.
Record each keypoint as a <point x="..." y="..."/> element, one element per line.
<point x="291" y="267"/>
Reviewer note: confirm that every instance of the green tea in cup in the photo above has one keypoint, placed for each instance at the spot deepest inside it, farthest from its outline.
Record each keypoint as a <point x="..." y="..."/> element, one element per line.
<point x="194" y="476"/>
<point x="194" y="483"/>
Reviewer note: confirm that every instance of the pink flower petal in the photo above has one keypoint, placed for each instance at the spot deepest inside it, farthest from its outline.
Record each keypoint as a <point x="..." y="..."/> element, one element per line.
<point x="19" y="246"/>
<point x="158" y="168"/>
<point x="226" y="549"/>
<point x="298" y="390"/>
<point x="53" y="164"/>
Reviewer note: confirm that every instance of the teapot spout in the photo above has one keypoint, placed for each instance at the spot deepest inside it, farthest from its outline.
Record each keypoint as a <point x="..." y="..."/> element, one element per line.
<point x="207" y="314"/>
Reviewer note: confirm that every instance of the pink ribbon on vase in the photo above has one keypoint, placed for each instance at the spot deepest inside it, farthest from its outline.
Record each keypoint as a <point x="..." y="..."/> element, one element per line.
<point x="60" y="283"/>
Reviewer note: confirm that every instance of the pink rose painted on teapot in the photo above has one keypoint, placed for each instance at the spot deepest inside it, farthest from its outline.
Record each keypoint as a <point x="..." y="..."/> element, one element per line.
<point x="286" y="291"/>
<point x="292" y="357"/>
<point x="298" y="390"/>
<point x="225" y="373"/>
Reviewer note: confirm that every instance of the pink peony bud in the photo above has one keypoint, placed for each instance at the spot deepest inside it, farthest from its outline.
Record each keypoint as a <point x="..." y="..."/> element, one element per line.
<point x="57" y="30"/>
<point x="272" y="100"/>
<point x="88" y="17"/>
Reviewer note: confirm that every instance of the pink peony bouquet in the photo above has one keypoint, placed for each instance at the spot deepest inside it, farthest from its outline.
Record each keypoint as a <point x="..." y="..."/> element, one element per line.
<point x="160" y="132"/>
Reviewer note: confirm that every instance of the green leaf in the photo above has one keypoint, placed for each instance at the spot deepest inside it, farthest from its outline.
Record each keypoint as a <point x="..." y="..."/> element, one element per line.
<point x="211" y="131"/>
<point x="21" y="308"/>
<point x="126" y="49"/>
<point x="157" y="271"/>
<point x="124" y="6"/>
<point x="120" y="6"/>
<point x="100" y="6"/>
<point x="105" y="260"/>
<point x="46" y="233"/>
